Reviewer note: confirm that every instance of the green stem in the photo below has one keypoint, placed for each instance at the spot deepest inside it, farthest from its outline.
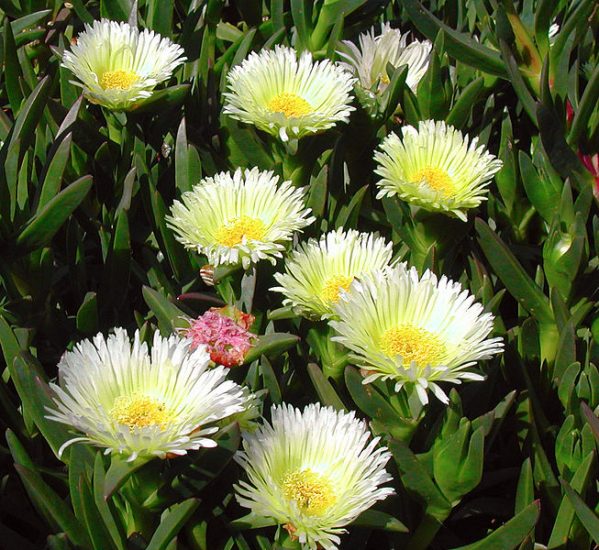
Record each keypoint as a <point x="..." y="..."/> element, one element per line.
<point x="318" y="38"/>
<point x="426" y="532"/>
<point x="332" y="356"/>
<point x="115" y="123"/>
<point x="293" y="167"/>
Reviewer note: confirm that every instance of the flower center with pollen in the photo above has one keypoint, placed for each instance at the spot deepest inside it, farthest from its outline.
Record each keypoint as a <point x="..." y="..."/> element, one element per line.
<point x="436" y="179"/>
<point x="333" y="286"/>
<point x="291" y="105"/>
<point x="312" y="492"/>
<point x="140" y="411"/>
<point x="384" y="79"/>
<point x="233" y="232"/>
<point x="413" y="344"/>
<point x="118" y="80"/>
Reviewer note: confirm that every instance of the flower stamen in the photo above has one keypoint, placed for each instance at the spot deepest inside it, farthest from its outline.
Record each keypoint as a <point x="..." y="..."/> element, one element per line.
<point x="118" y="80"/>
<point x="312" y="493"/>
<point x="437" y="179"/>
<point x="384" y="79"/>
<point x="291" y="105"/>
<point x="232" y="233"/>
<point x="413" y="344"/>
<point x="140" y="411"/>
<point x="333" y="286"/>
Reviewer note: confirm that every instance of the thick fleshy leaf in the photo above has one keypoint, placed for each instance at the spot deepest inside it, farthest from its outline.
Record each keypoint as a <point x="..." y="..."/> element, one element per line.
<point x="119" y="472"/>
<point x="379" y="520"/>
<point x="46" y="223"/>
<point x="271" y="345"/>
<point x="45" y="497"/>
<point x="171" y="523"/>
<point x="525" y="492"/>
<point x="116" y="10"/>
<point x="12" y="69"/>
<point x="168" y="314"/>
<point x="104" y="505"/>
<point x="565" y="516"/>
<point x="372" y="402"/>
<point x="55" y="171"/>
<point x="510" y="535"/>
<point x="326" y="393"/>
<point x="587" y="517"/>
<point x="416" y="479"/>
<point x="37" y="397"/>
<point x="459" y="45"/>
<point x="162" y="100"/>
<point x="512" y="274"/>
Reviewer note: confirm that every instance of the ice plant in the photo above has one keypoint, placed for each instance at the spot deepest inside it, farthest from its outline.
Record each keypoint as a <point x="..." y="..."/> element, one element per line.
<point x="141" y="402"/>
<point x="242" y="217"/>
<point x="288" y="97"/>
<point x="117" y="65"/>
<point x="225" y="333"/>
<point x="369" y="61"/>
<point x="436" y="168"/>
<point x="319" y="270"/>
<point x="417" y="331"/>
<point x="313" y="472"/>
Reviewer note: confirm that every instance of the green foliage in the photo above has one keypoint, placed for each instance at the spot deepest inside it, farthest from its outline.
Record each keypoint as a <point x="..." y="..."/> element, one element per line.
<point x="511" y="462"/>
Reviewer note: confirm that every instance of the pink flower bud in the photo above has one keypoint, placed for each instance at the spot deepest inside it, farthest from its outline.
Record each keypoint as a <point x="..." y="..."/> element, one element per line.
<point x="225" y="333"/>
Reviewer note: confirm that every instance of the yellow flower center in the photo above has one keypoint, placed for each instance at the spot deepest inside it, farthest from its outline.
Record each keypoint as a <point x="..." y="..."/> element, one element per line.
<point x="413" y="344"/>
<point x="140" y="411"/>
<point x="233" y="232"/>
<point x="291" y="105"/>
<point x="118" y="80"/>
<point x="332" y="287"/>
<point x="384" y="79"/>
<point x="312" y="492"/>
<point x="437" y="179"/>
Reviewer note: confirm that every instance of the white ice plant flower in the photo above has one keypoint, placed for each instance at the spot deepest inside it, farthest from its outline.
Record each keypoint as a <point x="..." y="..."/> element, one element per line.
<point x="313" y="472"/>
<point x="242" y="217"/>
<point x="319" y="270"/>
<point x="416" y="331"/>
<point x="139" y="402"/>
<point x="286" y="96"/>
<point x="117" y="65"/>
<point x="435" y="167"/>
<point x="369" y="61"/>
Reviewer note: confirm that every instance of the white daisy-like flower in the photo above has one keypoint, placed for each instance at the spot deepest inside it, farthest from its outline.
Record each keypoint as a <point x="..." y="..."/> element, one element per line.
<point x="435" y="167"/>
<point x="312" y="472"/>
<point x="143" y="403"/>
<point x="319" y="270"/>
<point x="288" y="97"/>
<point x="369" y="61"/>
<point x="414" y="330"/>
<point x="242" y="217"/>
<point x="117" y="65"/>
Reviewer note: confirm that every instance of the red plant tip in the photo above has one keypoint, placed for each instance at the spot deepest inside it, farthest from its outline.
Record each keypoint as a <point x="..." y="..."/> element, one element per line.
<point x="569" y="112"/>
<point x="591" y="163"/>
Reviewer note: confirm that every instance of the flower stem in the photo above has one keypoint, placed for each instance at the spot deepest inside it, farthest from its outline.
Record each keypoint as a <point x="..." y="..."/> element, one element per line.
<point x="425" y="533"/>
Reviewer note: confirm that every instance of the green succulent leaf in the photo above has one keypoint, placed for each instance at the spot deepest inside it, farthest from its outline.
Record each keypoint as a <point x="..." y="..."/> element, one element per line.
<point x="46" y="223"/>
<point x="510" y="535"/>
<point x="512" y="274"/>
<point x="171" y="523"/>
